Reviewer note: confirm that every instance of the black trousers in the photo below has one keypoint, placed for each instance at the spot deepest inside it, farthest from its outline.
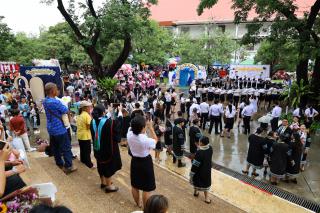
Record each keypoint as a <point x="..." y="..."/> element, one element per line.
<point x="274" y="124"/>
<point x="214" y="120"/>
<point x="246" y="123"/>
<point x="85" y="152"/>
<point x="204" y="119"/>
<point x="236" y="100"/>
<point x="168" y="108"/>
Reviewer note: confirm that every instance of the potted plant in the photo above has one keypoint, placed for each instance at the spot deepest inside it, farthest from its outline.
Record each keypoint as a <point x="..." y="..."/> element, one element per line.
<point x="294" y="93"/>
<point x="107" y="86"/>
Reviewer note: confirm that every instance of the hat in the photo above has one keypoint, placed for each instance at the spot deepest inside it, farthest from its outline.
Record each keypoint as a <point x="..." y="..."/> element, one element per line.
<point x="85" y="104"/>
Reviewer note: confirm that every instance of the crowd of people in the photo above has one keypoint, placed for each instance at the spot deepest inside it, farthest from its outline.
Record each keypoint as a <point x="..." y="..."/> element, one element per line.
<point x="147" y="118"/>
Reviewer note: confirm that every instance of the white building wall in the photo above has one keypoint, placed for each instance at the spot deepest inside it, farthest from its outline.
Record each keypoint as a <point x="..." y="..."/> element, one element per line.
<point x="236" y="31"/>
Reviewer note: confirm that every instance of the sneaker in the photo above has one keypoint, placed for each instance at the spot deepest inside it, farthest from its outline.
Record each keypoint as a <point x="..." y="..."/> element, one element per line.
<point x="32" y="150"/>
<point x="70" y="170"/>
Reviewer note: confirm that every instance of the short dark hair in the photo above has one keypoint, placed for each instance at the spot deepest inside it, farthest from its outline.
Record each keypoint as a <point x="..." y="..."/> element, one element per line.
<point x="205" y="140"/>
<point x="156" y="204"/>
<point x="48" y="87"/>
<point x="137" y="105"/>
<point x="179" y="113"/>
<point x="137" y="124"/>
<point x="195" y="121"/>
<point x="15" y="112"/>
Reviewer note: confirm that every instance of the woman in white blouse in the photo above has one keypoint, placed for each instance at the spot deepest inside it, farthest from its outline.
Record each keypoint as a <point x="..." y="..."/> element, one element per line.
<point x="141" y="171"/>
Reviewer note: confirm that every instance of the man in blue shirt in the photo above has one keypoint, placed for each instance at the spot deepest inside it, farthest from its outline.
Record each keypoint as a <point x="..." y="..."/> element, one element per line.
<point x="59" y="139"/>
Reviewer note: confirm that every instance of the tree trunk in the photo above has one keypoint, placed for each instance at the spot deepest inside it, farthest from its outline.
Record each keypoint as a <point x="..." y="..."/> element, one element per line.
<point x="96" y="59"/>
<point x="316" y="77"/>
<point x="66" y="66"/>
<point x="113" y="69"/>
<point x="302" y="71"/>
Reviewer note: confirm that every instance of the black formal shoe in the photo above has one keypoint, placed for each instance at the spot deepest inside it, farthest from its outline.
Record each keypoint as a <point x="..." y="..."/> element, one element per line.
<point x="180" y="165"/>
<point x="254" y="174"/>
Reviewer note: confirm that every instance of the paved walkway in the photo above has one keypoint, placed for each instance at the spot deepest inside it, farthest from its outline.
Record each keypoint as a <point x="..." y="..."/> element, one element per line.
<point x="81" y="191"/>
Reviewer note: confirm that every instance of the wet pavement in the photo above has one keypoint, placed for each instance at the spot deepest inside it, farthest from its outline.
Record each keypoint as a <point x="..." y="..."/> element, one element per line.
<point x="232" y="153"/>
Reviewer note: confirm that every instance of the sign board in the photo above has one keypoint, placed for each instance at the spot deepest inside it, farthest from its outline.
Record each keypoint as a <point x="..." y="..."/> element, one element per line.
<point x="46" y="74"/>
<point x="250" y="71"/>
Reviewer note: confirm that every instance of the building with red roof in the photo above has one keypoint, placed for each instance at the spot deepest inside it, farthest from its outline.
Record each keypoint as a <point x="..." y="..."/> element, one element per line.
<point x="181" y="17"/>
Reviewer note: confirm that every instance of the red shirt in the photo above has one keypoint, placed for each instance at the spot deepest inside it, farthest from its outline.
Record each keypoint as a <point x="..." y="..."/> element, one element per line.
<point x="17" y="124"/>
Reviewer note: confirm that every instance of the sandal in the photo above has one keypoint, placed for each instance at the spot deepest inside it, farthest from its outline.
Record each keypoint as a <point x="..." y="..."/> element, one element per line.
<point x="102" y="186"/>
<point x="196" y="194"/>
<point x="207" y="201"/>
<point x="111" y="189"/>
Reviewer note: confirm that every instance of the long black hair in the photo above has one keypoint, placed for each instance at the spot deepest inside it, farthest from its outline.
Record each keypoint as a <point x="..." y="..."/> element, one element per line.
<point x="230" y="107"/>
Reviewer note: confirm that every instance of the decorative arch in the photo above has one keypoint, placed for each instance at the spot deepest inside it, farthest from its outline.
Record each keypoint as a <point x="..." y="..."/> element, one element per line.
<point x="187" y="65"/>
<point x="16" y="82"/>
<point x="37" y="89"/>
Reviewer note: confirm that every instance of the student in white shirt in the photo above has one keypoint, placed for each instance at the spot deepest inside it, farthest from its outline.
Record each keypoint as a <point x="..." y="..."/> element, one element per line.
<point x="310" y="114"/>
<point x="215" y="111"/>
<point x="168" y="98"/>
<point x="230" y="113"/>
<point x="140" y="145"/>
<point x="247" y="112"/>
<point x="276" y="113"/>
<point x="298" y="112"/>
<point x="204" y="111"/>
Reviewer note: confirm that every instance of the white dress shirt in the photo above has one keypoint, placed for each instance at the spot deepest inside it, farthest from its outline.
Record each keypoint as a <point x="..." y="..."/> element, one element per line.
<point x="231" y="114"/>
<point x="194" y="105"/>
<point x="140" y="145"/>
<point x="248" y="111"/>
<point x="168" y="97"/>
<point x="204" y="107"/>
<point x="215" y="110"/>
<point x="276" y="112"/>
<point x="308" y="113"/>
<point x="296" y="113"/>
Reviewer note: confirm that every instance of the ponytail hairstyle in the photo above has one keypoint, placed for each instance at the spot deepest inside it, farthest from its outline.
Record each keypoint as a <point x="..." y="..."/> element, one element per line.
<point x="311" y="109"/>
<point x="230" y="107"/>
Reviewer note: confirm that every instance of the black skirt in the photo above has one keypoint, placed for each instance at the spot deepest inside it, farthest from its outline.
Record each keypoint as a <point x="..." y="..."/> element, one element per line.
<point x="142" y="174"/>
<point x="229" y="123"/>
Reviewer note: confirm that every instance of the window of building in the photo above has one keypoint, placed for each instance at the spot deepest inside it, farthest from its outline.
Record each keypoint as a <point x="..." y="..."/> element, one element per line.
<point x="185" y="30"/>
<point x="222" y="28"/>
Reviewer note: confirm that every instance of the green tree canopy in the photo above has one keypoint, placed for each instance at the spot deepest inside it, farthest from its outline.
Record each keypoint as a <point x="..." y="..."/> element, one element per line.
<point x="6" y="38"/>
<point x="152" y="45"/>
<point x="96" y="29"/>
<point x="285" y="22"/>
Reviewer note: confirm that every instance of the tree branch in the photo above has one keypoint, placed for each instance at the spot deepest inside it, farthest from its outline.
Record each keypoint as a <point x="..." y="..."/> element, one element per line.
<point x="315" y="37"/>
<point x="313" y="14"/>
<point x="95" y="37"/>
<point x="68" y="19"/>
<point x="289" y="14"/>
<point x="122" y="57"/>
<point x="91" y="8"/>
